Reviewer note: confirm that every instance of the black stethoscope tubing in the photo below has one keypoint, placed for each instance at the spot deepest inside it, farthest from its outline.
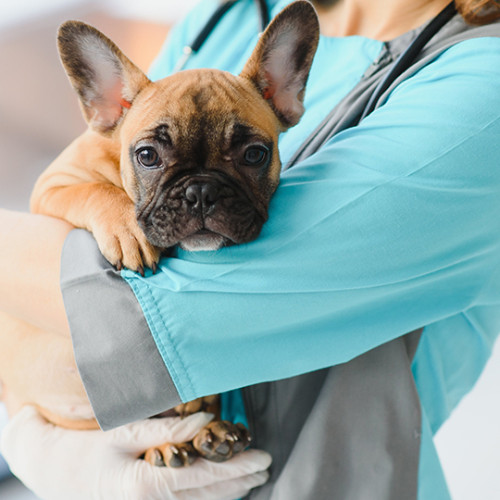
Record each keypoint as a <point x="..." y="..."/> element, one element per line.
<point x="210" y="25"/>
<point x="406" y="59"/>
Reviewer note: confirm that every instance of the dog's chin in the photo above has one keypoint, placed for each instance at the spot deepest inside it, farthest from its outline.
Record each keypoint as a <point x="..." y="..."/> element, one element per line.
<point x="203" y="240"/>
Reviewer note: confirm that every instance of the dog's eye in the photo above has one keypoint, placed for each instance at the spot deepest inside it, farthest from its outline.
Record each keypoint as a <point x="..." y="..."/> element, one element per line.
<point x="148" y="157"/>
<point x="256" y="155"/>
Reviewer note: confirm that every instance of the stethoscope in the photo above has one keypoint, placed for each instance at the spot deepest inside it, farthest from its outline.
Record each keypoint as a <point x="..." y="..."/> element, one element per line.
<point x="326" y="130"/>
<point x="210" y="25"/>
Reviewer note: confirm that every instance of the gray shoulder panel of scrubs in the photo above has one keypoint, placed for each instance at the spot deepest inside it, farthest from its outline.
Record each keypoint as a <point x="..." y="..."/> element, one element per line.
<point x="123" y="372"/>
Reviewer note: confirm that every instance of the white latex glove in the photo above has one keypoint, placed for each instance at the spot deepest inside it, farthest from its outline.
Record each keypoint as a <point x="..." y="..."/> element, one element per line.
<point x="62" y="464"/>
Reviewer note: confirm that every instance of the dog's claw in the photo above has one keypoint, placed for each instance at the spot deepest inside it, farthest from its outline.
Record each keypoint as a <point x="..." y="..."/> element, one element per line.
<point x="140" y="270"/>
<point x="154" y="457"/>
<point x="154" y="268"/>
<point x="181" y="456"/>
<point x="175" y="460"/>
<point x="158" y="459"/>
<point x="210" y="437"/>
<point x="119" y="265"/>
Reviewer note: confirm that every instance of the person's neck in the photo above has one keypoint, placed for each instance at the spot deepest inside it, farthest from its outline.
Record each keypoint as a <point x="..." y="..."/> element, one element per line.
<point x="381" y="19"/>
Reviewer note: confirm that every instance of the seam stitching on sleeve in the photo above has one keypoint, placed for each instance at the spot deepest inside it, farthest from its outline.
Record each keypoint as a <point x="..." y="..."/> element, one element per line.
<point x="152" y="310"/>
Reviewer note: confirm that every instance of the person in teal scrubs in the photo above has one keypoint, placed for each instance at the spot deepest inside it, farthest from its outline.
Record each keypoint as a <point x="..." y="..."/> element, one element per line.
<point x="390" y="227"/>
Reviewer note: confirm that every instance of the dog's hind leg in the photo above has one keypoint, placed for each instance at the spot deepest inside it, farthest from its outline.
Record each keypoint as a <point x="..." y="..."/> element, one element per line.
<point x="38" y="368"/>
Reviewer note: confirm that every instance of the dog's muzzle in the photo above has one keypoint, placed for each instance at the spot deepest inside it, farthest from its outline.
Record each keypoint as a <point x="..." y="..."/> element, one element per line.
<point x="201" y="212"/>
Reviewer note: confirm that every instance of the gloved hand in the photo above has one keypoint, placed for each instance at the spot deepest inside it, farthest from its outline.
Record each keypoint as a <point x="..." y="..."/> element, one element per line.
<point x="58" y="464"/>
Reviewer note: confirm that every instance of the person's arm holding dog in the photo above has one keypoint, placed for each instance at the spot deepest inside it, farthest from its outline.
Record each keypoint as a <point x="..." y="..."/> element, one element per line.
<point x="85" y="464"/>
<point x="91" y="464"/>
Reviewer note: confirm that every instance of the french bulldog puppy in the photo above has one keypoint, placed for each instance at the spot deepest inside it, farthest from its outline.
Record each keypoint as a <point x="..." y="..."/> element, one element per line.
<point x="189" y="160"/>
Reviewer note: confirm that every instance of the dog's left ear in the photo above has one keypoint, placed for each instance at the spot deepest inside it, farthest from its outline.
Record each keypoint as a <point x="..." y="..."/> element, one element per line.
<point x="280" y="63"/>
<point x="105" y="80"/>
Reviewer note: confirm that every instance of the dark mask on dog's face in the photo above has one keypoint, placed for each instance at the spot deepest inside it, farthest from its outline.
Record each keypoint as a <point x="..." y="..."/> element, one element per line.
<point x="205" y="173"/>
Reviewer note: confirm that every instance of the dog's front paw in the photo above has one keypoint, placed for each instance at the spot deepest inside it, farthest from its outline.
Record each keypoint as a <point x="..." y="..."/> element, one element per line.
<point x="123" y="243"/>
<point x="221" y="440"/>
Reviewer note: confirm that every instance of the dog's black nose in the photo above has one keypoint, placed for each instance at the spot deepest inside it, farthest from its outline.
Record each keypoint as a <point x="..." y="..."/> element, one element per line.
<point x="202" y="195"/>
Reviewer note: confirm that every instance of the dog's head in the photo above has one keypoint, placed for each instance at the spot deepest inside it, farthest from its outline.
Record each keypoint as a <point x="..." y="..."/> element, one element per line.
<point x="199" y="153"/>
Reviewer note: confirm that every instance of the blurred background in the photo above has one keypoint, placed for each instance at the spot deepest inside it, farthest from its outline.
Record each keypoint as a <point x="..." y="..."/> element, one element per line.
<point x="39" y="116"/>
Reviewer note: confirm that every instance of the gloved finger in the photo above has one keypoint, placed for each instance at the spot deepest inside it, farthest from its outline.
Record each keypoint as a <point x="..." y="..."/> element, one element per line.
<point x="17" y="435"/>
<point x="226" y="490"/>
<point x="143" y="481"/>
<point x="30" y="444"/>
<point x="204" y="473"/>
<point x="26" y="414"/>
<point x="8" y="442"/>
<point x="144" y="434"/>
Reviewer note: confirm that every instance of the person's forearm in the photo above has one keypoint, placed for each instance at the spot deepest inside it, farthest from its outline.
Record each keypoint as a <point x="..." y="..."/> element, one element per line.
<point x="30" y="252"/>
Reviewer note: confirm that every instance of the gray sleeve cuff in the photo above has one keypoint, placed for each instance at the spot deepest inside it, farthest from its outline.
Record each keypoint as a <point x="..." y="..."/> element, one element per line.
<point x="119" y="363"/>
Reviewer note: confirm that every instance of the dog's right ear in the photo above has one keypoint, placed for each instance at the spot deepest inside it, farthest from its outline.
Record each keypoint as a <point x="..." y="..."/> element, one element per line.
<point x="105" y="80"/>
